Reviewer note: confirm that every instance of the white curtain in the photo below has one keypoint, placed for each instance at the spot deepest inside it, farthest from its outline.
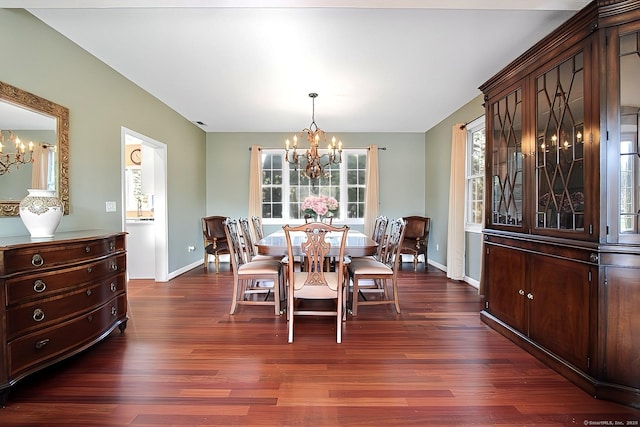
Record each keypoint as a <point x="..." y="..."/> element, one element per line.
<point x="456" y="239"/>
<point x="40" y="167"/>
<point x="255" y="182"/>
<point x="371" y="203"/>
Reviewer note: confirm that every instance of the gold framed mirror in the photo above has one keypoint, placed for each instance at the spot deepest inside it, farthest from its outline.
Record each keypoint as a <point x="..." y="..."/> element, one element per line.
<point x="24" y="102"/>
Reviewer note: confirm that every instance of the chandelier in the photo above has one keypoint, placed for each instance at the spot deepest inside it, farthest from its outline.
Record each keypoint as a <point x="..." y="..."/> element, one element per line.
<point x="18" y="157"/>
<point x="313" y="164"/>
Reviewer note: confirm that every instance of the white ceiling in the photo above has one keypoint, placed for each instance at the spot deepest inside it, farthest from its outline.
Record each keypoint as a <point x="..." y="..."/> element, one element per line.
<point x="248" y="66"/>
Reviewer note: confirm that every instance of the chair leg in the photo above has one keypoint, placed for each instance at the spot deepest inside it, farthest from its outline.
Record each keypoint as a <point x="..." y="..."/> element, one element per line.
<point x="217" y="263"/>
<point x="234" y="301"/>
<point x="276" y="295"/>
<point x="339" y="317"/>
<point x="290" y="315"/>
<point x="206" y="261"/>
<point x="395" y="294"/>
<point x="354" y="297"/>
<point x="415" y="262"/>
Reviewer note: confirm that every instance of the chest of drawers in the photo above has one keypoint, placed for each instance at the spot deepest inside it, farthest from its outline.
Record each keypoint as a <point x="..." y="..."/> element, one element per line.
<point x="58" y="297"/>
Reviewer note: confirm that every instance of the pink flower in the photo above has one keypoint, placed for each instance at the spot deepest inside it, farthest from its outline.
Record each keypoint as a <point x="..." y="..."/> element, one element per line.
<point x="319" y="205"/>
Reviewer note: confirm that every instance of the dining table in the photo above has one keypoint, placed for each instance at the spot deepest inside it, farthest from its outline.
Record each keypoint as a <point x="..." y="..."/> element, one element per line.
<point x="358" y="244"/>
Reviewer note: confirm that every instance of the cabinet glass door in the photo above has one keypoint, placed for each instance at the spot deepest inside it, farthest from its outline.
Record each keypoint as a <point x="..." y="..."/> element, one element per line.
<point x="560" y="146"/>
<point x="506" y="160"/>
<point x="629" y="199"/>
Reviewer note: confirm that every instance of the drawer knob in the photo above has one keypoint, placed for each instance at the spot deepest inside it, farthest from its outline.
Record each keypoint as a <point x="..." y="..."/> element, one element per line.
<point x="114" y="311"/>
<point x="89" y="318"/>
<point x="87" y="249"/>
<point x="89" y="292"/>
<point x="38" y="315"/>
<point x="530" y="295"/>
<point x="112" y="246"/>
<point x="113" y="287"/>
<point x="521" y="291"/>
<point x="37" y="260"/>
<point x="114" y="266"/>
<point x="39" y="286"/>
<point x="89" y="269"/>
<point x="593" y="257"/>
<point x="42" y="343"/>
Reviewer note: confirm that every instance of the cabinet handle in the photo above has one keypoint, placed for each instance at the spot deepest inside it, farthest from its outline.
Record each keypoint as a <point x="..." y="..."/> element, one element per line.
<point x="530" y="295"/>
<point x="114" y="311"/>
<point x="593" y="257"/>
<point x="39" y="286"/>
<point x="87" y="249"/>
<point x="42" y="343"/>
<point x="112" y="287"/>
<point x="89" y="318"/>
<point x="89" y="269"/>
<point x="112" y="246"/>
<point x="114" y="266"/>
<point x="38" y="315"/>
<point x="521" y="291"/>
<point x="37" y="260"/>
<point x="89" y="292"/>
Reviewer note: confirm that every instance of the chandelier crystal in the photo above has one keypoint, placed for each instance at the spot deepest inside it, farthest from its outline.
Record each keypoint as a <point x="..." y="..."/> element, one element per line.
<point x="18" y="157"/>
<point x="311" y="162"/>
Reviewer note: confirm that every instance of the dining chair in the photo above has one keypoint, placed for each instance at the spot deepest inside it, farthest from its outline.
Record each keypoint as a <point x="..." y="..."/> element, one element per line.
<point x="215" y="241"/>
<point x="417" y="238"/>
<point x="371" y="276"/>
<point x="252" y="278"/>
<point x="316" y="282"/>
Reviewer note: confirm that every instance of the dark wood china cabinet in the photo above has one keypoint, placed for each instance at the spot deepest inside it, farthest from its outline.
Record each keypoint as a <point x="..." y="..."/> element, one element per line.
<point x="561" y="269"/>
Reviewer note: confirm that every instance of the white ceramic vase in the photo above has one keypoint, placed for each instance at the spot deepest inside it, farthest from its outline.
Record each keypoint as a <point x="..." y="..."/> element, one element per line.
<point x="41" y="212"/>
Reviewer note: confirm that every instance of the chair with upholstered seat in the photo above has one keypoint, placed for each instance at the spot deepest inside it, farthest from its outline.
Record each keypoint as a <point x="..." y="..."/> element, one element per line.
<point x="416" y="238"/>
<point x="316" y="283"/>
<point x="253" y="281"/>
<point x="371" y="276"/>
<point x="215" y="241"/>
<point x="257" y="227"/>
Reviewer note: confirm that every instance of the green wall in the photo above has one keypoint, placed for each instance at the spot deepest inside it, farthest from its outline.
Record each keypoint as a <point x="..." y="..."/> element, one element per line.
<point x="100" y="101"/>
<point x="402" y="172"/>
<point x="438" y="166"/>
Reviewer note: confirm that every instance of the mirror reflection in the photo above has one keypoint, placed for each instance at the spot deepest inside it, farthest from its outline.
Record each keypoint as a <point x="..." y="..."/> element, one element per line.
<point x="33" y="147"/>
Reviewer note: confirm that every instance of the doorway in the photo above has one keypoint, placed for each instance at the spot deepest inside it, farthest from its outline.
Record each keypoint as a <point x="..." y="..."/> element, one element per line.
<point x="144" y="201"/>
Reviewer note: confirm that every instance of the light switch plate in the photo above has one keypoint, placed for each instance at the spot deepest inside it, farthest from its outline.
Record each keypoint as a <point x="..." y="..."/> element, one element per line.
<point x="110" y="206"/>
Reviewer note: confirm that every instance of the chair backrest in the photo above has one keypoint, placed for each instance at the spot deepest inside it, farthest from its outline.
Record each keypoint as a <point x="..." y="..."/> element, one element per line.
<point x="257" y="227"/>
<point x="213" y="226"/>
<point x="393" y="245"/>
<point x="315" y="246"/>
<point x="417" y="227"/>
<point x="379" y="233"/>
<point x="247" y="239"/>
<point x="236" y="250"/>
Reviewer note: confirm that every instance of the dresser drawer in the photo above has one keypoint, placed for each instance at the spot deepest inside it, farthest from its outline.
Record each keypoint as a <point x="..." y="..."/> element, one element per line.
<point x="46" y="284"/>
<point x="42" y="313"/>
<point x="59" y="341"/>
<point x="45" y="256"/>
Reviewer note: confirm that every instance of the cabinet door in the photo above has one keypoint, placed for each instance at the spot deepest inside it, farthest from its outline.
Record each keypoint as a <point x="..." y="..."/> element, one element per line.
<point x="559" y="152"/>
<point x="505" y="278"/>
<point x="622" y="327"/>
<point x="505" y="161"/>
<point x="626" y="150"/>
<point x="559" y="307"/>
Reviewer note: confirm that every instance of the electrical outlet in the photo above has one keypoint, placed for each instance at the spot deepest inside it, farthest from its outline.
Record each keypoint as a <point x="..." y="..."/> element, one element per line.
<point x="191" y="248"/>
<point x="437" y="247"/>
<point x="110" y="206"/>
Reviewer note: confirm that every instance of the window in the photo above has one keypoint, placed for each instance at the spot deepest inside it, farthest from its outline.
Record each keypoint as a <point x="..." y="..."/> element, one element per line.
<point x="284" y="189"/>
<point x="475" y="175"/>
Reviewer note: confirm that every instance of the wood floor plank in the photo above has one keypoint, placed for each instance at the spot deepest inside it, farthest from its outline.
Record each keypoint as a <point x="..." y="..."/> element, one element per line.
<point x="183" y="360"/>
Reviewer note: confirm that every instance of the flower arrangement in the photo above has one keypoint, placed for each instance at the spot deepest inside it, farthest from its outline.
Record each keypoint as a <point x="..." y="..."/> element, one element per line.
<point x="320" y="206"/>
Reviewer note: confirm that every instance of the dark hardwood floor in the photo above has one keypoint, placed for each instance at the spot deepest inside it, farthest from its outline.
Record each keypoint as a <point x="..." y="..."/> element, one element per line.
<point x="183" y="360"/>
